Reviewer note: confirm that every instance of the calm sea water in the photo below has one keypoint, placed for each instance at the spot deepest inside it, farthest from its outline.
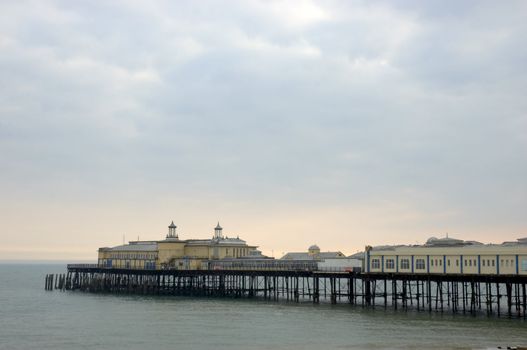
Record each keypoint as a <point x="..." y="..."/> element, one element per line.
<point x="31" y="318"/>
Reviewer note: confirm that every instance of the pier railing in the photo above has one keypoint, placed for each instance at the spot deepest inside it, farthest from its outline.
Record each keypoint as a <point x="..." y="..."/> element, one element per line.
<point x="82" y="266"/>
<point x="235" y="268"/>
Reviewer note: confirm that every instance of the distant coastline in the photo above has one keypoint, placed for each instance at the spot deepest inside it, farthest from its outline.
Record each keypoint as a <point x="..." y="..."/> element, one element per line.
<point x="43" y="262"/>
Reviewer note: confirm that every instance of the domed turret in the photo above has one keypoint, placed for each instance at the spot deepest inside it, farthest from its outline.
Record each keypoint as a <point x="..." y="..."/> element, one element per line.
<point x="431" y="240"/>
<point x="313" y="250"/>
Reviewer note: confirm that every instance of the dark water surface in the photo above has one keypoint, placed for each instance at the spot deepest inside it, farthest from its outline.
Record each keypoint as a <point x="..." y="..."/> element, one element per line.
<point x="31" y="318"/>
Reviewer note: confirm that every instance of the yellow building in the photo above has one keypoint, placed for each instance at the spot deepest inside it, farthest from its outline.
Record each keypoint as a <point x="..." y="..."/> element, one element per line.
<point x="449" y="256"/>
<point x="174" y="253"/>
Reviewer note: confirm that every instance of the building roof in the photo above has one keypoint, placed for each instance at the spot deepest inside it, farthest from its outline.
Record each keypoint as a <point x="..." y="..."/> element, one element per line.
<point x="227" y="240"/>
<point x="218" y="227"/>
<point x="297" y="256"/>
<point x="221" y="241"/>
<point x="358" y="255"/>
<point x="172" y="225"/>
<point x="314" y="247"/>
<point x="307" y="256"/>
<point x="145" y="246"/>
<point x="519" y="242"/>
<point x="454" y="246"/>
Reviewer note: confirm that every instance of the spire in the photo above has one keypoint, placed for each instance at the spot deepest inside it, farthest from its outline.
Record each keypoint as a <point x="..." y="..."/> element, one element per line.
<point x="218" y="227"/>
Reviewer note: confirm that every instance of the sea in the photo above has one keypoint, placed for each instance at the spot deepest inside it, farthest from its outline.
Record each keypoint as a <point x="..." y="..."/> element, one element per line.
<point x="32" y="318"/>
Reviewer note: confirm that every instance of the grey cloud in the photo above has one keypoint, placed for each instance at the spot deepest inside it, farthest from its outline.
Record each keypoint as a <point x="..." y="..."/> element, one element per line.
<point x="385" y="101"/>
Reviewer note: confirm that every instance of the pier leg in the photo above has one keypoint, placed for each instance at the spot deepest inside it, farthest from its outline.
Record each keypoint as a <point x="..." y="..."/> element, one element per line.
<point x="429" y="287"/>
<point x="498" y="297"/>
<point x="333" y="287"/>
<point x="394" y="293"/>
<point x="316" y="291"/>
<point x="385" y="294"/>
<point x="441" y="294"/>
<point x="368" y="292"/>
<point x="524" y="292"/>
<point x="508" y="288"/>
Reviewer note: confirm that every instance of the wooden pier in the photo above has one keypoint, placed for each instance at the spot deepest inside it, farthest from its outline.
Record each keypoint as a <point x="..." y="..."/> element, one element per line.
<point x="469" y="294"/>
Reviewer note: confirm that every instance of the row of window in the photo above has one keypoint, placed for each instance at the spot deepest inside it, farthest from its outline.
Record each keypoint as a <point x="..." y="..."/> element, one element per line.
<point x="405" y="264"/>
<point x="237" y="252"/>
<point x="420" y="263"/>
<point x="269" y="265"/>
<point x="128" y="264"/>
<point x="507" y="262"/>
<point x="133" y="256"/>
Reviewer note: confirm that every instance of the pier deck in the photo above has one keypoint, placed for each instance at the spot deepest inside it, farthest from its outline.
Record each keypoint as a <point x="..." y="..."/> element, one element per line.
<point x="484" y="294"/>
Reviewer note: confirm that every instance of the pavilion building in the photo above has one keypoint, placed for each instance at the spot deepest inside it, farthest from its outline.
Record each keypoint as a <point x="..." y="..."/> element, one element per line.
<point x="175" y="253"/>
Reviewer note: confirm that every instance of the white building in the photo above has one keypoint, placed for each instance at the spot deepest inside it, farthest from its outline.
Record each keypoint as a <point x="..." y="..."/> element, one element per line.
<point x="449" y="256"/>
<point x="326" y="261"/>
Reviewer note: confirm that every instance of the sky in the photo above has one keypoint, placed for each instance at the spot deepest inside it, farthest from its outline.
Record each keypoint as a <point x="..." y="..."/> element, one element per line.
<point x="340" y="123"/>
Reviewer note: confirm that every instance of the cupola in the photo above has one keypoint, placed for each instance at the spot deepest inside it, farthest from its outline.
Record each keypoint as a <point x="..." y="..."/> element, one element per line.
<point x="172" y="231"/>
<point x="218" y="234"/>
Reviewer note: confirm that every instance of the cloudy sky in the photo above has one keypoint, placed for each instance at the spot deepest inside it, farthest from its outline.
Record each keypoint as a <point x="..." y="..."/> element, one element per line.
<point x="341" y="123"/>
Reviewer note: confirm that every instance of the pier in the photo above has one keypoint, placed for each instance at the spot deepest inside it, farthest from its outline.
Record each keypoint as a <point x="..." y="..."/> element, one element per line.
<point x="467" y="294"/>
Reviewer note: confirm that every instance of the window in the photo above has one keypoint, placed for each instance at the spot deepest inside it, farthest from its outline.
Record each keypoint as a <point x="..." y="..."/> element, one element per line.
<point x="475" y="263"/>
<point x="457" y="262"/>
<point x="432" y="262"/>
<point x="448" y="262"/>
<point x="419" y="264"/>
<point x="470" y="263"/>
<point x="466" y="262"/>
<point x="493" y="262"/>
<point x="405" y="264"/>
<point x="440" y="263"/>
<point x="390" y="264"/>
<point x="483" y="262"/>
<point x="506" y="262"/>
<point x="524" y="265"/>
<point x="375" y="263"/>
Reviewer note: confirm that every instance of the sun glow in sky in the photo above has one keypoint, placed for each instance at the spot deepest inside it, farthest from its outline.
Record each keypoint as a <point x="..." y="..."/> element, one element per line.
<point x="340" y="123"/>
